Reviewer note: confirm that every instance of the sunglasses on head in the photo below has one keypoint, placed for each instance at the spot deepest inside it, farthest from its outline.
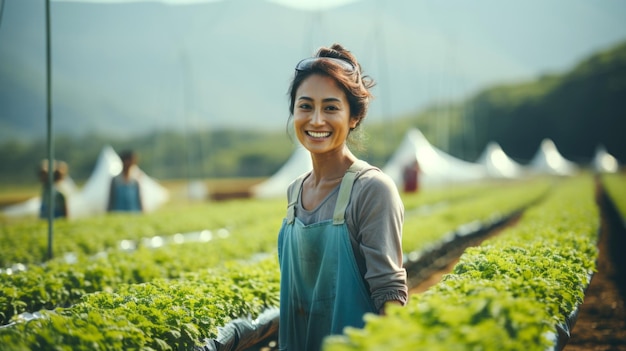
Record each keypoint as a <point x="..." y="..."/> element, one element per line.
<point x="307" y="63"/>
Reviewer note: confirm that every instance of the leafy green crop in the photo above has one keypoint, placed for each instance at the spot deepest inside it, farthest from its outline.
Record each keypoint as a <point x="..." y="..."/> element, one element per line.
<point x="160" y="315"/>
<point x="482" y="209"/>
<point x="252" y="227"/>
<point x="510" y="293"/>
<point x="507" y="294"/>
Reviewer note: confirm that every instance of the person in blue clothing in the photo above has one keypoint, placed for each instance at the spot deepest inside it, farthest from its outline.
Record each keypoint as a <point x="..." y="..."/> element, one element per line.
<point x="59" y="197"/>
<point x="340" y="245"/>
<point x="125" y="190"/>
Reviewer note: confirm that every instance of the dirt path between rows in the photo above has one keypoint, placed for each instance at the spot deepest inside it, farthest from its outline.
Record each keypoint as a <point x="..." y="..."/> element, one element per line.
<point x="601" y="322"/>
<point x="436" y="275"/>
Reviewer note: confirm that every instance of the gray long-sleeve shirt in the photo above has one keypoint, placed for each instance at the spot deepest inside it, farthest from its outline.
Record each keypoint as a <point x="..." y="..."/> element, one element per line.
<point x="374" y="217"/>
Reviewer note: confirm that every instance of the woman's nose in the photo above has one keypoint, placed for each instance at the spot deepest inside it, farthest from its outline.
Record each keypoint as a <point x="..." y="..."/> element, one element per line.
<point x="317" y="118"/>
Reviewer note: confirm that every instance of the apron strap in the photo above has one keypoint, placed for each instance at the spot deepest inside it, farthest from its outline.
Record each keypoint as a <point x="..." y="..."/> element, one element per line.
<point x="343" y="198"/>
<point x="345" y="190"/>
<point x="293" y="199"/>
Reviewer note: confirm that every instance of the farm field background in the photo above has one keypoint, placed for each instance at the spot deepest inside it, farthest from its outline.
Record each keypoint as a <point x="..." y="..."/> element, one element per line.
<point x="189" y="246"/>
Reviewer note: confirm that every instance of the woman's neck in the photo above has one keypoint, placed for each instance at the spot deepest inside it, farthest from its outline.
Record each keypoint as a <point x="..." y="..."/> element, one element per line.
<point x="329" y="168"/>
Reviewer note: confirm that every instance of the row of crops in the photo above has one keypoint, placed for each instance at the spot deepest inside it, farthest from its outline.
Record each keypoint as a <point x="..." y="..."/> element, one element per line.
<point x="62" y="283"/>
<point x="515" y="291"/>
<point x="177" y="293"/>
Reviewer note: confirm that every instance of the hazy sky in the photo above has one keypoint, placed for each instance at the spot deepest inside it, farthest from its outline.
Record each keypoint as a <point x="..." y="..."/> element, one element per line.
<point x="312" y="4"/>
<point x="301" y="4"/>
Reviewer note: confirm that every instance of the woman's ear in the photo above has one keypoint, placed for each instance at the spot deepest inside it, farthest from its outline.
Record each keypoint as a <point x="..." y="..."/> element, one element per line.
<point x="354" y="121"/>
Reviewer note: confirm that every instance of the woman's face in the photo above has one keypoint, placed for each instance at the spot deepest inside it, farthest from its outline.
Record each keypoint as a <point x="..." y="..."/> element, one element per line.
<point x="321" y="115"/>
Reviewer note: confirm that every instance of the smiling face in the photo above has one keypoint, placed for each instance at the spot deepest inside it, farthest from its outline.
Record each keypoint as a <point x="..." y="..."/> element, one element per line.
<point x="322" y="115"/>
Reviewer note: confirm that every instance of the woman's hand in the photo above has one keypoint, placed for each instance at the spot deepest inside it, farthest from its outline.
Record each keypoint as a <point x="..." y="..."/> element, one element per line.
<point x="391" y="302"/>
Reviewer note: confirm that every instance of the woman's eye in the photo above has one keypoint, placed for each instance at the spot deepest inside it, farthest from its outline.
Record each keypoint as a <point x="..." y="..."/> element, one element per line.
<point x="304" y="106"/>
<point x="332" y="108"/>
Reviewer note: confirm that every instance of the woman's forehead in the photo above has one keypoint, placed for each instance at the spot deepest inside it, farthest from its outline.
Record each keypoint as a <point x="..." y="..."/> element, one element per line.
<point x="320" y="86"/>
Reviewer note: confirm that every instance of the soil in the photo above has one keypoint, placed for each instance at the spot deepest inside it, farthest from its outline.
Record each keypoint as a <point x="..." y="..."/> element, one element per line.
<point x="601" y="322"/>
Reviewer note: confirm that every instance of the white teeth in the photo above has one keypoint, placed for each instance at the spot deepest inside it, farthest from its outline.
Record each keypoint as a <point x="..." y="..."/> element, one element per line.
<point x="319" y="134"/>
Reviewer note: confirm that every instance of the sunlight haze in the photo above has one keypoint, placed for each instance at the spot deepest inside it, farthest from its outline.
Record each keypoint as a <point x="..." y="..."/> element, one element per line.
<point x="299" y="4"/>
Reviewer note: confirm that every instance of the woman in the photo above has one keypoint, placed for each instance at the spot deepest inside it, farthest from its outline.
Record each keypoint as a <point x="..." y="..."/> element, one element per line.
<point x="339" y="247"/>
<point x="59" y="197"/>
<point x="124" y="190"/>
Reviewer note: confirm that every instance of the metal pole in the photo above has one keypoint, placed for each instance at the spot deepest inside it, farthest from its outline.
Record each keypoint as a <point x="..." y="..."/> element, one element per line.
<point x="49" y="136"/>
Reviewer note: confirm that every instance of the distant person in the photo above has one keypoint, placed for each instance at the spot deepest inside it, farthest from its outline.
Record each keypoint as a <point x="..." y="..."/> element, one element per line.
<point x="59" y="169"/>
<point x="411" y="177"/>
<point x="124" y="192"/>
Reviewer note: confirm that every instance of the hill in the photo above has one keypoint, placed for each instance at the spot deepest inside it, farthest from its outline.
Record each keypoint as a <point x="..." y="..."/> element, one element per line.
<point x="579" y="110"/>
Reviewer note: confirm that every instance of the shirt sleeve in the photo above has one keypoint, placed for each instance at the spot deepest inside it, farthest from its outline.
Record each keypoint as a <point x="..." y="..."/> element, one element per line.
<point x="377" y="216"/>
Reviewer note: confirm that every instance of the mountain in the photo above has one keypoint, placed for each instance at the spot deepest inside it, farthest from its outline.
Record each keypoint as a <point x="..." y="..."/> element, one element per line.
<point x="130" y="68"/>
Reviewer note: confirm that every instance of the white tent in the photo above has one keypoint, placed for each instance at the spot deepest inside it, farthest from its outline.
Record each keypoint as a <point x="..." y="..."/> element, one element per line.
<point x="29" y="207"/>
<point x="95" y="193"/>
<point x="548" y="160"/>
<point x="436" y="166"/>
<point x="298" y="163"/>
<point x="92" y="199"/>
<point x="498" y="164"/>
<point x="603" y="161"/>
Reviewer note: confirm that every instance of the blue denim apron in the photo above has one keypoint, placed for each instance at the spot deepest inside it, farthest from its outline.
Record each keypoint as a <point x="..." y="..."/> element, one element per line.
<point x="321" y="288"/>
<point x="126" y="195"/>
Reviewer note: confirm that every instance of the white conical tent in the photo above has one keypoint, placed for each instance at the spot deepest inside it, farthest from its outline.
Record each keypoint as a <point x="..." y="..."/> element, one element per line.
<point x="498" y="164"/>
<point x="93" y="198"/>
<point x="298" y="163"/>
<point x="548" y="160"/>
<point x="603" y="161"/>
<point x="29" y="207"/>
<point x="436" y="166"/>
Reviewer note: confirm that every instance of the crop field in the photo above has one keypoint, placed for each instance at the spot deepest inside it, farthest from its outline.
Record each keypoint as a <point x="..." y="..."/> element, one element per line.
<point x="169" y="279"/>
